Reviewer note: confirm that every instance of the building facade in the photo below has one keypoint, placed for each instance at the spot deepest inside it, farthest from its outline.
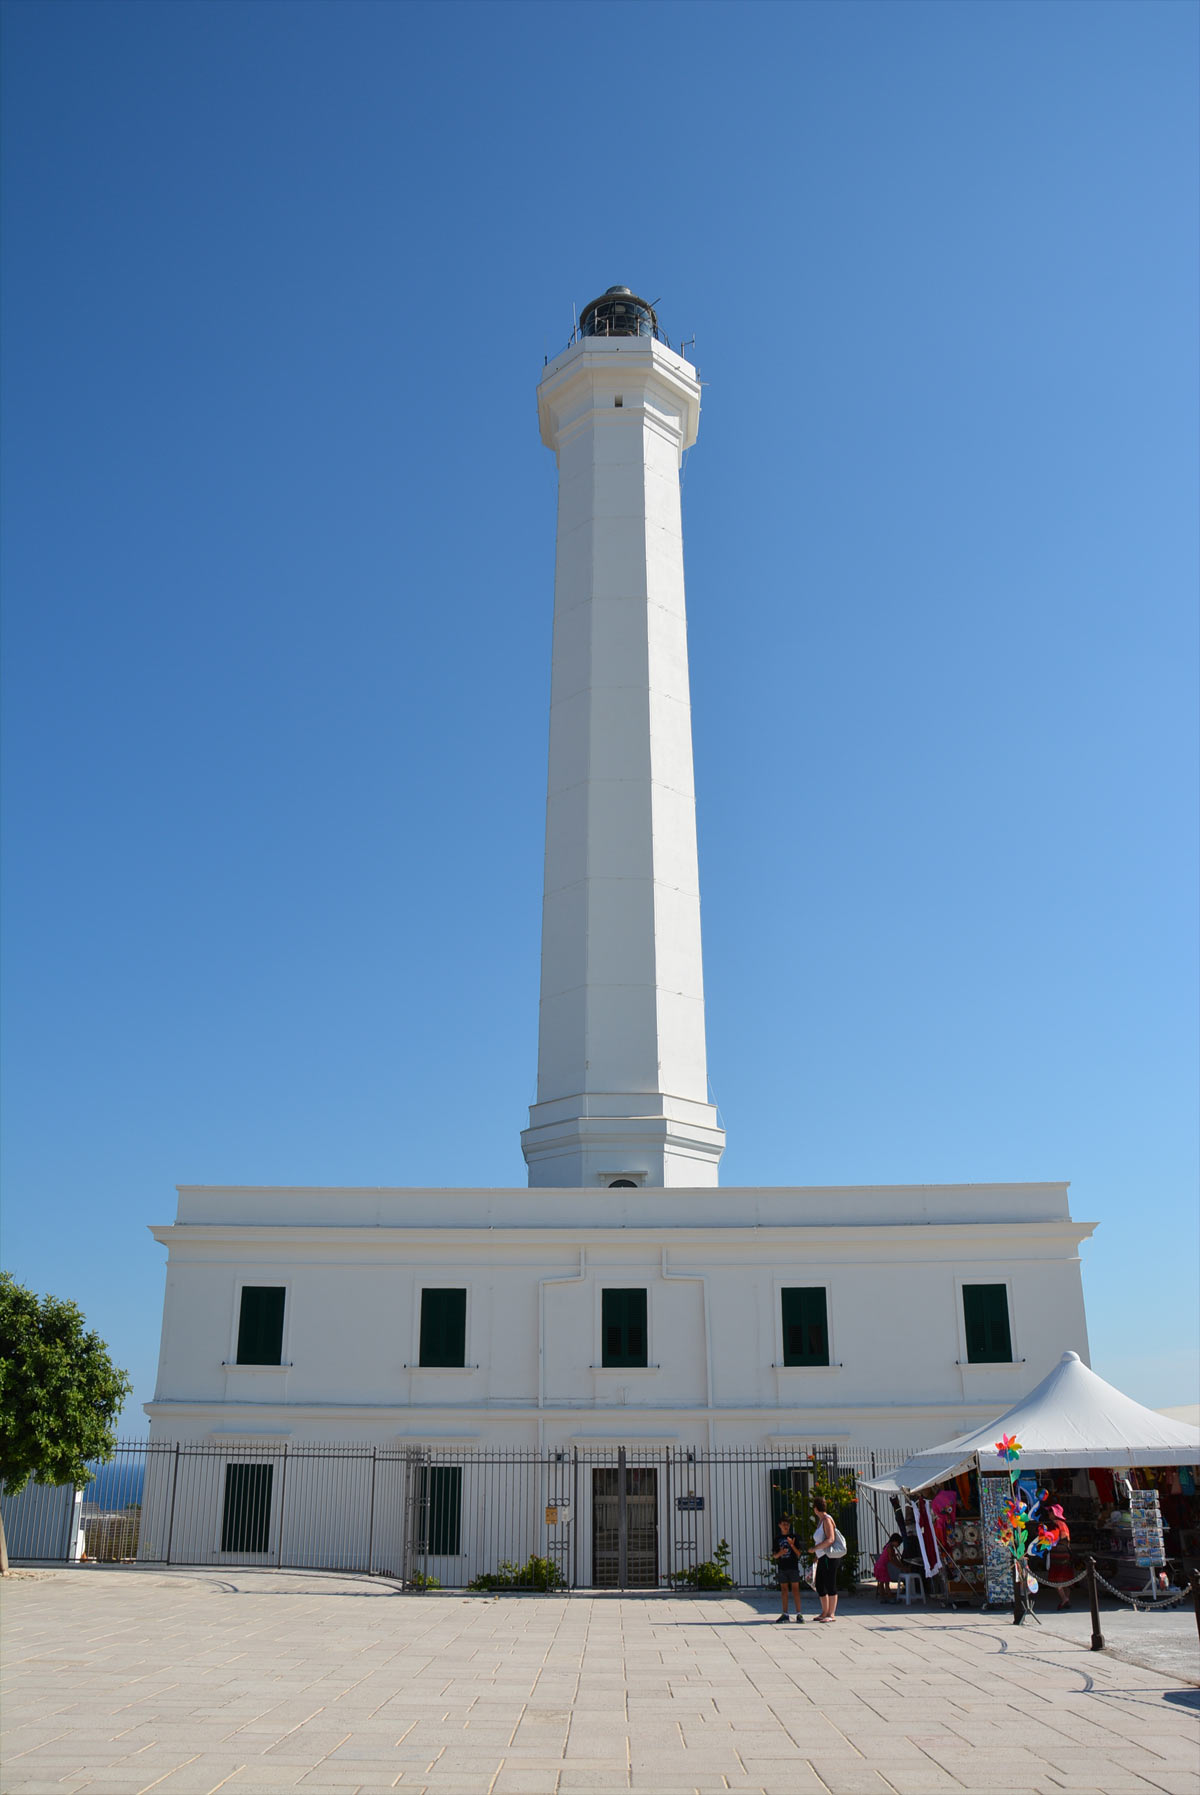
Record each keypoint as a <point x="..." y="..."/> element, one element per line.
<point x="886" y="1315"/>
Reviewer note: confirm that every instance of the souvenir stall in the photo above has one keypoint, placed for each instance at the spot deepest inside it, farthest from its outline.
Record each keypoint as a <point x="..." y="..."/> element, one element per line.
<point x="1120" y="1483"/>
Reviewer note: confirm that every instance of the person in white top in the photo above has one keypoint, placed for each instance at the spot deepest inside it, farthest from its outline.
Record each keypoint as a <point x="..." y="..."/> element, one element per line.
<point x="824" y="1534"/>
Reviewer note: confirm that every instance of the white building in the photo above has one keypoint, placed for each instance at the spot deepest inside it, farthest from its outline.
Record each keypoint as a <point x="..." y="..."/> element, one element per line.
<point x="882" y="1315"/>
<point x="623" y="1298"/>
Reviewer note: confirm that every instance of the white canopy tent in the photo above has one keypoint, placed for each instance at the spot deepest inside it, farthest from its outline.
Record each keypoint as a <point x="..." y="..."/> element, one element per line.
<point x="1072" y="1418"/>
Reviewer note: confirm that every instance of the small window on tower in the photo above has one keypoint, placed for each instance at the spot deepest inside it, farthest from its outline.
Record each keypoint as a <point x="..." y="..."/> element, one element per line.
<point x="619" y="400"/>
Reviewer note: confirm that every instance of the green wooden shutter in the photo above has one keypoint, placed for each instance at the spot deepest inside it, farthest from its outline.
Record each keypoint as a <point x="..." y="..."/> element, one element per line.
<point x="441" y="1491"/>
<point x="260" y="1325"/>
<point x="789" y="1492"/>
<point x="246" y="1514"/>
<point x="805" y="1326"/>
<point x="623" y="1328"/>
<point x="443" y="1327"/>
<point x="985" y="1311"/>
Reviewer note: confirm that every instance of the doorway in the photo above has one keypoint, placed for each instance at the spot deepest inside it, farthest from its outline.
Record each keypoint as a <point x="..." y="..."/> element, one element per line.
<point x="625" y="1526"/>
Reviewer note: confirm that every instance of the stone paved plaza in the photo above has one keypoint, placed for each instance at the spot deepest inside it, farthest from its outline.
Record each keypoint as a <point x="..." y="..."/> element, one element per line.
<point x="128" y="1680"/>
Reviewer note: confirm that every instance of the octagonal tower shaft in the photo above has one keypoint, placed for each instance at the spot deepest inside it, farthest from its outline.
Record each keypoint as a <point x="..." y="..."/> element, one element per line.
<point x="622" y="1074"/>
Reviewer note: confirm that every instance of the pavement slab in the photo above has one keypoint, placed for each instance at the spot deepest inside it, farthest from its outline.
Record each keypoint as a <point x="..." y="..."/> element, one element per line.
<point x="127" y="1680"/>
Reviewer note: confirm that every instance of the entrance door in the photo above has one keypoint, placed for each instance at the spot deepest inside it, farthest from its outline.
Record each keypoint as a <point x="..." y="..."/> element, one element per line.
<point x="625" y="1527"/>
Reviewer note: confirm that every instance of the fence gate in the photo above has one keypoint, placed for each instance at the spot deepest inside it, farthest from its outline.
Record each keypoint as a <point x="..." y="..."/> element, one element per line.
<point x="625" y="1525"/>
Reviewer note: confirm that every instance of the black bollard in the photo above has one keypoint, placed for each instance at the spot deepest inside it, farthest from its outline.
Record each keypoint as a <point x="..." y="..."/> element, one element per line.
<point x="1094" y="1599"/>
<point x="1018" y="1596"/>
<point x="1196" y="1599"/>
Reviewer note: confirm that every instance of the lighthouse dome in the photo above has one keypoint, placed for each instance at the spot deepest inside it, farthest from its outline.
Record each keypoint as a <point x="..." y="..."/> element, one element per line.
<point x="618" y="313"/>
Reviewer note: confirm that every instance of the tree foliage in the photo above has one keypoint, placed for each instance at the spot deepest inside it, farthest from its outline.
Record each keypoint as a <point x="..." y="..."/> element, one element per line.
<point x="839" y="1489"/>
<point x="60" y="1393"/>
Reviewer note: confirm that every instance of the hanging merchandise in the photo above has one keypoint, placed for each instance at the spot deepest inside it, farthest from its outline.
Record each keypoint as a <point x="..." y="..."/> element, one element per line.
<point x="944" y="1508"/>
<point x="1146" y="1527"/>
<point x="993" y="1495"/>
<point x="927" y="1538"/>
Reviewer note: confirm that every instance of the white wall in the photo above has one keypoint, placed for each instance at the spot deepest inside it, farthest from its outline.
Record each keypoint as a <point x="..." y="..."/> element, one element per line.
<point x="533" y="1350"/>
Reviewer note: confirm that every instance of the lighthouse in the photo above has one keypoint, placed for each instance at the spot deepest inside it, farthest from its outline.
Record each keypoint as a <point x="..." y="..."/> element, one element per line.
<point x="622" y="1090"/>
<point x="618" y="1307"/>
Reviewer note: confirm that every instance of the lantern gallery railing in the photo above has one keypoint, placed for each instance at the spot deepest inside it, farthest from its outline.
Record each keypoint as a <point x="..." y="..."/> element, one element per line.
<point x="598" y="1517"/>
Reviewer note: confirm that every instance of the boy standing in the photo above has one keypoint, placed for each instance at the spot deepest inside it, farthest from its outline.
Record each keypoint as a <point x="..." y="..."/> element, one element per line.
<point x="787" y="1562"/>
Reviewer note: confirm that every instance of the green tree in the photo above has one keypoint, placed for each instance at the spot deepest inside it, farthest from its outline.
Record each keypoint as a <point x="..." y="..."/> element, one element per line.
<point x="60" y="1393"/>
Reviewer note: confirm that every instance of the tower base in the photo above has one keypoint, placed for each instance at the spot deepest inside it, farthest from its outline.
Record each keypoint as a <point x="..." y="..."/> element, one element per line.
<point x="634" y="1138"/>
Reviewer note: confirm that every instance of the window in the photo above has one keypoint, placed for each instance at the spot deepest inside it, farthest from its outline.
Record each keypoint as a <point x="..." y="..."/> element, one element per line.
<point x="246" y="1515"/>
<point x="443" y="1327"/>
<point x="623" y="1327"/>
<point x="789" y="1491"/>
<point x="985" y="1311"/>
<point x="260" y="1325"/>
<point x="439" y="1498"/>
<point x="805" y="1327"/>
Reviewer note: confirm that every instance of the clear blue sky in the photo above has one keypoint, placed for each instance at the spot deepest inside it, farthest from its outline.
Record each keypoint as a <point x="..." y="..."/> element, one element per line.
<point x="279" y="282"/>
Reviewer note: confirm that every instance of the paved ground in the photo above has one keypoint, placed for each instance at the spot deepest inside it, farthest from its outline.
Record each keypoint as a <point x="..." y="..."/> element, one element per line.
<point x="186" y="1682"/>
<point x="1167" y="1642"/>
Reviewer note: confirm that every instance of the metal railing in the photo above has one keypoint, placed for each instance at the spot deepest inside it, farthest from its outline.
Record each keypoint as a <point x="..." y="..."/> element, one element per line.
<point x="603" y="1517"/>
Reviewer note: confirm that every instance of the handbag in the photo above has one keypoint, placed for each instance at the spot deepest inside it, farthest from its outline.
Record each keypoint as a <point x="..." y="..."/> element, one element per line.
<point x="837" y="1548"/>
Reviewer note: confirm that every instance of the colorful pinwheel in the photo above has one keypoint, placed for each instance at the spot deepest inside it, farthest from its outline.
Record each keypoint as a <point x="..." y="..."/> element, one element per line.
<point x="1020" y="1527"/>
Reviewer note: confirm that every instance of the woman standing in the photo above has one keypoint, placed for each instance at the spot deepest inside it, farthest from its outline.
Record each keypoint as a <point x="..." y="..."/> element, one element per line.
<point x="824" y="1534"/>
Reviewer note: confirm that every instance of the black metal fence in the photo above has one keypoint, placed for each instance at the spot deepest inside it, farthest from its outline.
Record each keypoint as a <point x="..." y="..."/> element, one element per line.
<point x="598" y="1517"/>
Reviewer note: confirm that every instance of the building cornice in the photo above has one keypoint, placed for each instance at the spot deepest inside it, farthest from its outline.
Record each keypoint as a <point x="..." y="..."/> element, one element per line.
<point x="395" y="1238"/>
<point x="226" y="1414"/>
<point x="548" y="1192"/>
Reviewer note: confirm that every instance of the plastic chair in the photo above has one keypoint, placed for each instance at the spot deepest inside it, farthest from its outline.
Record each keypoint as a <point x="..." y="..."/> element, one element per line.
<point x="911" y="1585"/>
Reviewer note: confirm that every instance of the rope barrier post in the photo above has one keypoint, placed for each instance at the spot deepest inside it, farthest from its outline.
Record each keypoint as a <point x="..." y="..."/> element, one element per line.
<point x="1094" y="1599"/>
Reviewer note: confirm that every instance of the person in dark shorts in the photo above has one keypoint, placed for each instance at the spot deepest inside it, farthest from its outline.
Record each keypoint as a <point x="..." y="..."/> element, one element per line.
<point x="787" y="1565"/>
<point x="824" y="1534"/>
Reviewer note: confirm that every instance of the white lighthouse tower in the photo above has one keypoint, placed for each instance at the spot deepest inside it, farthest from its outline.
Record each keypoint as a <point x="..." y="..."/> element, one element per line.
<point x="622" y="1095"/>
